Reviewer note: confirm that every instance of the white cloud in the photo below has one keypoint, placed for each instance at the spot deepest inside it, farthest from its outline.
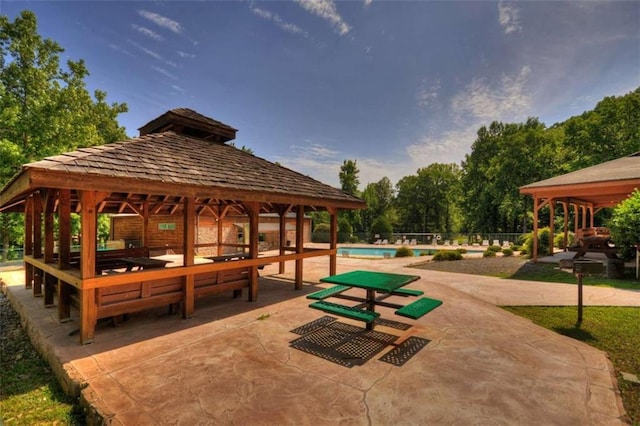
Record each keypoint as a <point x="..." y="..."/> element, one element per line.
<point x="147" y="32"/>
<point x="482" y="100"/>
<point x="367" y="2"/>
<point x="186" y="55"/>
<point x="177" y="88"/>
<point x="509" y="17"/>
<point x="121" y="50"/>
<point x="276" y="19"/>
<point x="326" y="9"/>
<point x="162" y="21"/>
<point x="448" y="147"/>
<point x="428" y="92"/>
<point x="164" y="72"/>
<point x="477" y="104"/>
<point x="153" y="54"/>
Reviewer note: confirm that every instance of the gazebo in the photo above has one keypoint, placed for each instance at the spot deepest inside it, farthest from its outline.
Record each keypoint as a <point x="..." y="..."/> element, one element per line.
<point x="180" y="165"/>
<point x="588" y="190"/>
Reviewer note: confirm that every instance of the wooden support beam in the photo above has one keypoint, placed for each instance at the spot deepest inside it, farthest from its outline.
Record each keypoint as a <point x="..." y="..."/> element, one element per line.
<point x="28" y="241"/>
<point x="64" y="301"/>
<point x="333" y="240"/>
<point x="49" y="205"/>
<point x="145" y="224"/>
<point x="535" y="229"/>
<point x="37" y="243"/>
<point x="88" y="314"/>
<point x="253" y="210"/>
<point x="565" y="209"/>
<point x="188" y="257"/>
<point x="88" y="221"/>
<point x="64" y="228"/>
<point x="552" y="208"/>
<point x="282" y="238"/>
<point x="299" y="245"/>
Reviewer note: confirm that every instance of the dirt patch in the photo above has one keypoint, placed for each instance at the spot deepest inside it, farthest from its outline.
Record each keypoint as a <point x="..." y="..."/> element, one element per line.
<point x="493" y="266"/>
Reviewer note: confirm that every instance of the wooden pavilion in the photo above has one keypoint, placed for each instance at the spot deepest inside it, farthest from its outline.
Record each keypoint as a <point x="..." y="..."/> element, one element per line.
<point x="588" y="190"/>
<point x="179" y="165"/>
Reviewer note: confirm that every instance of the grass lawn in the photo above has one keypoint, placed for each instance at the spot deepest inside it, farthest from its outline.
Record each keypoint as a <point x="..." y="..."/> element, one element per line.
<point x="550" y="273"/>
<point x="615" y="330"/>
<point x="29" y="392"/>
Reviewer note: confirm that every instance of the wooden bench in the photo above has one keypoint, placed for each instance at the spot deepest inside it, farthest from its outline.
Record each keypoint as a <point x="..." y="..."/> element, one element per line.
<point x="109" y="259"/>
<point x="128" y="298"/>
<point x="418" y="308"/>
<point x="219" y="282"/>
<point x="328" y="292"/>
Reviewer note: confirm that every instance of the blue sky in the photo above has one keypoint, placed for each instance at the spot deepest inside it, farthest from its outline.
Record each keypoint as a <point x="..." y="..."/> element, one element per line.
<point x="393" y="85"/>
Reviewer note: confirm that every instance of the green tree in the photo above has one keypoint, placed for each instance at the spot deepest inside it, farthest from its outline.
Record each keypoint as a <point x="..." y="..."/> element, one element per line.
<point x="44" y="109"/>
<point x="379" y="197"/>
<point x="349" y="182"/>
<point x="625" y="225"/>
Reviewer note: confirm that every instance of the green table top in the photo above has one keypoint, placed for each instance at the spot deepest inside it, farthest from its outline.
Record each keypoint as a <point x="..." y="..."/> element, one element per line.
<point x="379" y="281"/>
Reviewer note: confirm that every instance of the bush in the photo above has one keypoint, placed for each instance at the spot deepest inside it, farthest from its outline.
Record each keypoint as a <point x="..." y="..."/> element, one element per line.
<point x="461" y="250"/>
<point x="404" y="251"/>
<point x="543" y="242"/>
<point x="507" y="252"/>
<point x="354" y="239"/>
<point x="625" y="225"/>
<point x="447" y="255"/>
<point x="496" y="249"/>
<point x="344" y="230"/>
<point x="382" y="227"/>
<point x="489" y="253"/>
<point x="321" y="234"/>
<point x="558" y="240"/>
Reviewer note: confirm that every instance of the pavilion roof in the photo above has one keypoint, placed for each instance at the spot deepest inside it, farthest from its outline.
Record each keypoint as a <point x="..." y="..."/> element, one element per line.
<point x="168" y="164"/>
<point x="604" y="184"/>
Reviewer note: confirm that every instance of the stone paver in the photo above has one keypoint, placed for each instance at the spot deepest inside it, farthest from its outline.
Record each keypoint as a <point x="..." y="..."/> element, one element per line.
<point x="232" y="364"/>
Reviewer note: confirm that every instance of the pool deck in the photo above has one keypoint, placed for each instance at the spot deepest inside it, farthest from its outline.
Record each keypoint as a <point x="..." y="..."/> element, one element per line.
<point x="232" y="363"/>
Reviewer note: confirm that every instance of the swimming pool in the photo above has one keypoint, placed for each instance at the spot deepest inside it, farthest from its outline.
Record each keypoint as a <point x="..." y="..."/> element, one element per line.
<point x="390" y="252"/>
<point x="378" y="251"/>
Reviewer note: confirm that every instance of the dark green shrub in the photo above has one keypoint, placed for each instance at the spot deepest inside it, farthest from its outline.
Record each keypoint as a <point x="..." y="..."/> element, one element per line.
<point x="354" y="239"/>
<point x="447" y="255"/>
<point x="344" y="230"/>
<point x="507" y="252"/>
<point x="321" y="234"/>
<point x="496" y="249"/>
<point x="558" y="240"/>
<point x="462" y="250"/>
<point x="625" y="225"/>
<point x="543" y="242"/>
<point x="381" y="226"/>
<point x="489" y="253"/>
<point x="404" y="251"/>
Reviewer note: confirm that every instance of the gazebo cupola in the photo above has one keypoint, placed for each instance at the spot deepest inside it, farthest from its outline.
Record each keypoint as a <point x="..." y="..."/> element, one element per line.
<point x="187" y="122"/>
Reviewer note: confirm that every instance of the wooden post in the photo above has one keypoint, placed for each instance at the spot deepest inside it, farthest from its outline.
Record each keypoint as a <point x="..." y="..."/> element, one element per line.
<point x="282" y="237"/>
<point x="28" y="242"/>
<point x="253" y="209"/>
<point x="565" y="208"/>
<point x="189" y="218"/>
<point x="145" y="223"/>
<point x="299" y="245"/>
<point x="64" y="253"/>
<point x="579" y="299"/>
<point x="576" y="214"/>
<point x="49" y="280"/>
<point x="535" y="228"/>
<point x="37" y="242"/>
<point x="552" y="209"/>
<point x="591" y="214"/>
<point x="333" y="240"/>
<point x="88" y="308"/>
<point x="584" y="216"/>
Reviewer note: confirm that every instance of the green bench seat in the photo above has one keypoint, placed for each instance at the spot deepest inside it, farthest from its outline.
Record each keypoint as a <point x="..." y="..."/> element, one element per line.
<point x="407" y="292"/>
<point x="345" y="311"/>
<point x="328" y="292"/>
<point x="419" y="308"/>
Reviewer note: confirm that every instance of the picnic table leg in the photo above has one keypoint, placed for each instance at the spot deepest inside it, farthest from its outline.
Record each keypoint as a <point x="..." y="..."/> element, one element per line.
<point x="371" y="306"/>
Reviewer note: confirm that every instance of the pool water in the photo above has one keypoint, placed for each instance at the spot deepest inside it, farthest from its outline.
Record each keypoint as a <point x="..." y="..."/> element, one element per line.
<point x="380" y="252"/>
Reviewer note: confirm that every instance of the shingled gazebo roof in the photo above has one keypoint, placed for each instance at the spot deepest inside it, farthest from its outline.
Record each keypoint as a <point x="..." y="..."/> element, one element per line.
<point x="603" y="185"/>
<point x="163" y="165"/>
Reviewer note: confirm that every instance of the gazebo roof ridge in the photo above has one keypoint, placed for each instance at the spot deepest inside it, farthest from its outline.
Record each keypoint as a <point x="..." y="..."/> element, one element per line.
<point x="189" y="122"/>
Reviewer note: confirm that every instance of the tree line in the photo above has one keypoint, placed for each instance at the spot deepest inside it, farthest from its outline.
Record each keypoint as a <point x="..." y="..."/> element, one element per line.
<point x="46" y="109"/>
<point x="481" y="195"/>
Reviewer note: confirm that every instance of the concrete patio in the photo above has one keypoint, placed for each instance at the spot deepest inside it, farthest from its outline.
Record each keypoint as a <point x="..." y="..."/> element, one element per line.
<point x="232" y="362"/>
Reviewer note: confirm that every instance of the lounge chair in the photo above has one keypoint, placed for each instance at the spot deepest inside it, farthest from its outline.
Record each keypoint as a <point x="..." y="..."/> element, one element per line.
<point x="384" y="242"/>
<point x="405" y="242"/>
<point x="413" y="242"/>
<point x="398" y="242"/>
<point x="506" y="244"/>
<point x="485" y="242"/>
<point x="496" y="243"/>
<point x="378" y="242"/>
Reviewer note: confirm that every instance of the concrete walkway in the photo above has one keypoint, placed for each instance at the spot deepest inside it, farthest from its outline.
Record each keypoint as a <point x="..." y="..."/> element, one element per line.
<point x="232" y="362"/>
